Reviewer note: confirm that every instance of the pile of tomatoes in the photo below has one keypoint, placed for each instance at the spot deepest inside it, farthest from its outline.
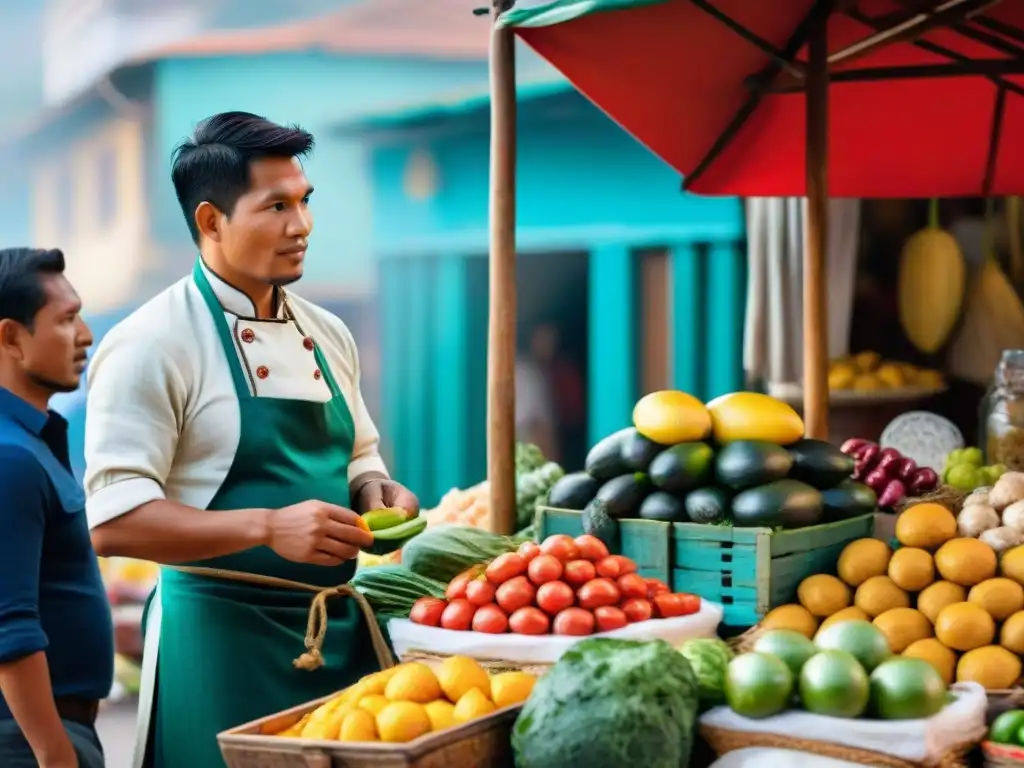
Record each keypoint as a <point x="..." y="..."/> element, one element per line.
<point x="563" y="586"/>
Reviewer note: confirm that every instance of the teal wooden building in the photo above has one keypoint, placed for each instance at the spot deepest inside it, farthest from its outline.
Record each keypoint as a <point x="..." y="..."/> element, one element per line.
<point x="652" y="279"/>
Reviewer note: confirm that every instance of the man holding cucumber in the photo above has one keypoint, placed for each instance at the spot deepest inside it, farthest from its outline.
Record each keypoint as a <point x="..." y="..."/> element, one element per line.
<point x="227" y="439"/>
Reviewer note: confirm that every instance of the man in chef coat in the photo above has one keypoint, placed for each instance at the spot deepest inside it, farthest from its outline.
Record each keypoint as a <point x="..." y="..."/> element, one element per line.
<point x="227" y="440"/>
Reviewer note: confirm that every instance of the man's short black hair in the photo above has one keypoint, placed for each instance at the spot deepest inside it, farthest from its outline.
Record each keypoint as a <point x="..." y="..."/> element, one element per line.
<point x="213" y="166"/>
<point x="22" y="294"/>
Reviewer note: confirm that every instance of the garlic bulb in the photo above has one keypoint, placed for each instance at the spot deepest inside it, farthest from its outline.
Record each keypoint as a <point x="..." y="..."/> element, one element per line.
<point x="1002" y="538"/>
<point x="976" y="519"/>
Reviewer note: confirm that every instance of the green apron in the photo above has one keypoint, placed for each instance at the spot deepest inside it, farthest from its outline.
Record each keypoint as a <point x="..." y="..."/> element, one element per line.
<point x="226" y="648"/>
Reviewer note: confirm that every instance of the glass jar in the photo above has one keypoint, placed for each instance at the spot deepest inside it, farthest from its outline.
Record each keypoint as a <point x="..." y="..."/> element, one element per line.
<point x="1003" y="417"/>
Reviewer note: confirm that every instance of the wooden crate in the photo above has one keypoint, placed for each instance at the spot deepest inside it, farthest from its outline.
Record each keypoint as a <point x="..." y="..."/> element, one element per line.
<point x="483" y="743"/>
<point x="752" y="570"/>
<point x="646" y="542"/>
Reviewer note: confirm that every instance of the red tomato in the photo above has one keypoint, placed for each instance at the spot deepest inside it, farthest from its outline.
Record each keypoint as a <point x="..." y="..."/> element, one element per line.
<point x="545" y="568"/>
<point x="555" y="596"/>
<point x="515" y="594"/>
<point x="574" y="621"/>
<point x="655" y="587"/>
<point x="637" y="610"/>
<point x="598" y="592"/>
<point x="505" y="567"/>
<point x="529" y="550"/>
<point x="458" y="614"/>
<point x="591" y="547"/>
<point x="529" y="621"/>
<point x="561" y="546"/>
<point x="579" y="572"/>
<point x="457" y="587"/>
<point x="480" y="591"/>
<point x="632" y="585"/>
<point x="614" y="566"/>
<point x="427" y="611"/>
<point x="669" y="606"/>
<point x="609" y="618"/>
<point x="491" y="620"/>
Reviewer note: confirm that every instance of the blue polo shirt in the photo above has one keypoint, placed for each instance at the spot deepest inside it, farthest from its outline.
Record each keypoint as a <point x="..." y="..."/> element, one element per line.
<point x="51" y="595"/>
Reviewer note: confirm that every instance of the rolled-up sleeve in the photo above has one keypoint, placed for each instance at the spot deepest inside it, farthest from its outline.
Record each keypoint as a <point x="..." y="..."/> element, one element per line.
<point x="23" y="516"/>
<point x="134" y="411"/>
<point x="366" y="447"/>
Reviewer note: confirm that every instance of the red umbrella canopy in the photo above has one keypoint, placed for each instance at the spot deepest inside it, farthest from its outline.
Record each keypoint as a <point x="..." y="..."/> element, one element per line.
<point x="926" y="98"/>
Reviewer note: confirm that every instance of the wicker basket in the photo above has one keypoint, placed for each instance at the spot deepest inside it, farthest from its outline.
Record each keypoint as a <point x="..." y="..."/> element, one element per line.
<point x="483" y="743"/>
<point x="946" y="495"/>
<point x="723" y="740"/>
<point x="493" y="666"/>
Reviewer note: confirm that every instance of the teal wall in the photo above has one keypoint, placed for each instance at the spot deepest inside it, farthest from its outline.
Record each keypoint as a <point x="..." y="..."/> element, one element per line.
<point x="583" y="185"/>
<point x="315" y="90"/>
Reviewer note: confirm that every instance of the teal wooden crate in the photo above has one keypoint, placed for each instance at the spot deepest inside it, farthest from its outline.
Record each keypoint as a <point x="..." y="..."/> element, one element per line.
<point x="752" y="570"/>
<point x="646" y="542"/>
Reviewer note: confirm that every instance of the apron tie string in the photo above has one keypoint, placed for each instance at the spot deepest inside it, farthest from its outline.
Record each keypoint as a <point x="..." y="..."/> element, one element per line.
<point x="316" y="626"/>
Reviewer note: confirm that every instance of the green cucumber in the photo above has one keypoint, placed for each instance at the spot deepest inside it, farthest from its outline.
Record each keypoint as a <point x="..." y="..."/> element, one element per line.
<point x="784" y="503"/>
<point x="682" y="467"/>
<point x="749" y="463"/>
<point x="388" y="540"/>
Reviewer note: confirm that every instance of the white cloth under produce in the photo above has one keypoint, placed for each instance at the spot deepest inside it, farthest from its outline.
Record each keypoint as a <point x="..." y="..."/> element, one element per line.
<point x="762" y="757"/>
<point x="911" y="740"/>
<point x="773" y="340"/>
<point x="407" y="637"/>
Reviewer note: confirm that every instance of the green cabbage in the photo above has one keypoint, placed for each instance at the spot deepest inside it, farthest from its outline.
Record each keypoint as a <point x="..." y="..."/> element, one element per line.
<point x="610" y="704"/>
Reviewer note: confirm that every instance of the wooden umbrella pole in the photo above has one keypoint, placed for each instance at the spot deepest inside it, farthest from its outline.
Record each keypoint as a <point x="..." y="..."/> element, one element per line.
<point x="501" y="329"/>
<point x="815" y="281"/>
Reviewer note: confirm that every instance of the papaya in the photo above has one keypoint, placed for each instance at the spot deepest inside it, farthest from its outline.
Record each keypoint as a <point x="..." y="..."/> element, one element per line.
<point x="754" y="416"/>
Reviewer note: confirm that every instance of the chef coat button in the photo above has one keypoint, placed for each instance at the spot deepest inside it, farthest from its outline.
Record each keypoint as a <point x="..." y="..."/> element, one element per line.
<point x="317" y="374"/>
<point x="308" y="343"/>
<point x="262" y="372"/>
<point x="248" y="336"/>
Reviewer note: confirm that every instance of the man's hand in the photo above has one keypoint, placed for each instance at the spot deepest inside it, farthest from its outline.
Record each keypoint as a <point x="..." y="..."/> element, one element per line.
<point x="316" y="532"/>
<point x="386" y="494"/>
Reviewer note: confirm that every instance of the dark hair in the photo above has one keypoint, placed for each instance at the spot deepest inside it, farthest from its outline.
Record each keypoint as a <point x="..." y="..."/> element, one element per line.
<point x="21" y="290"/>
<point x="213" y="166"/>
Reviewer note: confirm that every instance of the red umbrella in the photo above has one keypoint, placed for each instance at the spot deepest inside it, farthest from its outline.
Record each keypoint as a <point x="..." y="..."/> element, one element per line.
<point x="842" y="98"/>
<point x="922" y="103"/>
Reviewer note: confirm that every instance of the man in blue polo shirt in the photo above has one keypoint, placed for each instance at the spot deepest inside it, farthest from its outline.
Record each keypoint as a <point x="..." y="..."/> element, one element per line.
<point x="56" y="635"/>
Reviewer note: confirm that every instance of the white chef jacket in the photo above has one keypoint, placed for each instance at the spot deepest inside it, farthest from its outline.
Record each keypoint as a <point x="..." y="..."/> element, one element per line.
<point x="162" y="416"/>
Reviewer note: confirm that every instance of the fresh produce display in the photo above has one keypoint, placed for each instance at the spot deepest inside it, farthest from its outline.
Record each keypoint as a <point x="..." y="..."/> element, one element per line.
<point x="890" y="475"/>
<point x="846" y="672"/>
<point x="941" y="597"/>
<point x="534" y="477"/>
<point x="743" y="462"/>
<point x="563" y="586"/>
<point x="391" y="528"/>
<point x="868" y="372"/>
<point x="444" y="552"/>
<point x="709" y="657"/>
<point x="965" y="470"/>
<point x="411" y="700"/>
<point x="610" y="703"/>
<point x="995" y="515"/>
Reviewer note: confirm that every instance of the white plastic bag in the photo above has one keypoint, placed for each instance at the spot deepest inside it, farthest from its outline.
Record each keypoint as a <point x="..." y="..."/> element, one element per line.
<point x="407" y="637"/>
<point x="916" y="741"/>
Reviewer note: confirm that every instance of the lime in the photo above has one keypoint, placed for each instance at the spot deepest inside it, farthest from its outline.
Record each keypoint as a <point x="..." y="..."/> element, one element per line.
<point x="758" y="685"/>
<point x="993" y="473"/>
<point x="862" y="639"/>
<point x="789" y="645"/>
<point x="834" y="683"/>
<point x="972" y="456"/>
<point x="1006" y="728"/>
<point x="956" y="456"/>
<point x="906" y="689"/>
<point x="964" y="477"/>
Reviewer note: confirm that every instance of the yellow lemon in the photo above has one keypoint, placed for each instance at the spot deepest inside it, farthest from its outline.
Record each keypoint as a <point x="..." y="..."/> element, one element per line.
<point x="402" y="721"/>
<point x="1011" y="636"/>
<point x="441" y="714"/>
<point x="510" y="688"/>
<point x="459" y="674"/>
<point x="853" y="613"/>
<point x="965" y="626"/>
<point x="358" y="725"/>
<point x="927" y="526"/>
<point x="1000" y="597"/>
<point x="878" y="595"/>
<point x="413" y="682"/>
<point x="862" y="559"/>
<point x="373" y="703"/>
<point x="791" y="616"/>
<point x="937" y="596"/>
<point x="991" y="666"/>
<point x="966" y="561"/>
<point x="903" y="626"/>
<point x="472" y="705"/>
<point x="823" y="595"/>
<point x="911" y="569"/>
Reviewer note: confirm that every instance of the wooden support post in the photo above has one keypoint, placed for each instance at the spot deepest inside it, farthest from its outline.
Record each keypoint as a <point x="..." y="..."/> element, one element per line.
<point x="815" y="289"/>
<point x="501" y="336"/>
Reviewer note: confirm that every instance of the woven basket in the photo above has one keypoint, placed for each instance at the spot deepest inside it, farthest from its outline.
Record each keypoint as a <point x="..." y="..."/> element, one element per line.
<point x="1002" y="755"/>
<point x="723" y="740"/>
<point x="744" y="643"/>
<point x="493" y="666"/>
<point x="946" y="495"/>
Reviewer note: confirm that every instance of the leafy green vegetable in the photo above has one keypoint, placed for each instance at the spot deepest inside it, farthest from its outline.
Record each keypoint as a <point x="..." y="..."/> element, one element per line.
<point x="442" y="553"/>
<point x="608" y="704"/>
<point x="532" y="489"/>
<point x="528" y="458"/>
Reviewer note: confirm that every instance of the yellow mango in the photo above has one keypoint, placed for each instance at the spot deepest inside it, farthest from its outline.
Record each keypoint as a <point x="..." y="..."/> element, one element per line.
<point x="754" y="416"/>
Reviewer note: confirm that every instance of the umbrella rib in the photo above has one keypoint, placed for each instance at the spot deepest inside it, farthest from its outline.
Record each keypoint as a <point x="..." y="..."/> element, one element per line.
<point x="989" y="68"/>
<point x="993" y="41"/>
<point x="1000" y="28"/>
<point x="994" y="139"/>
<point x="821" y="9"/>
<point x="938" y="50"/>
<point x="779" y="57"/>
